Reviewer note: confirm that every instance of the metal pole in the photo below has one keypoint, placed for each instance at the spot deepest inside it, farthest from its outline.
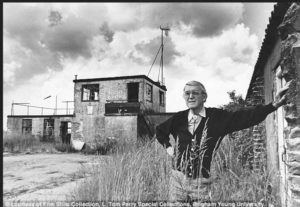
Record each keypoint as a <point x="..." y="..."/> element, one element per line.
<point x="67" y="107"/>
<point x="162" y="55"/>
<point x="28" y="110"/>
<point x="55" y="112"/>
<point x="12" y="108"/>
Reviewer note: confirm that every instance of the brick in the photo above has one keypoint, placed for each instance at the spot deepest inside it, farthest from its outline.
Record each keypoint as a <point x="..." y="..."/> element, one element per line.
<point x="293" y="180"/>
<point x="293" y="144"/>
<point x="294" y="202"/>
<point x="293" y="156"/>
<point x="294" y="168"/>
<point x="295" y="133"/>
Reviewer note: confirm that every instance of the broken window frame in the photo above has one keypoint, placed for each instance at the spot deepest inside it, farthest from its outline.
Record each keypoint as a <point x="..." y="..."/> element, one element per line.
<point x="92" y="92"/>
<point x="27" y="128"/>
<point x="149" y="92"/>
<point x="161" y="98"/>
<point x="49" y="127"/>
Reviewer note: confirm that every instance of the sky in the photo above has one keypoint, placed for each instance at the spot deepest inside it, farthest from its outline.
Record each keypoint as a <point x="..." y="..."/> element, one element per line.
<point x="46" y="44"/>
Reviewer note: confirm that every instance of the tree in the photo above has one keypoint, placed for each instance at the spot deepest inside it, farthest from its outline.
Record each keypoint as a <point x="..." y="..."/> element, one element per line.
<point x="241" y="141"/>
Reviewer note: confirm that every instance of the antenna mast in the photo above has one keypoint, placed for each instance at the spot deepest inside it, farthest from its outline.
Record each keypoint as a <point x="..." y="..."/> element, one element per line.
<point x="166" y="29"/>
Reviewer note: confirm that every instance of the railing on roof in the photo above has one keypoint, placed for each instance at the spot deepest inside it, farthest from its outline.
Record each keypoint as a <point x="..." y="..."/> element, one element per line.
<point x="26" y="109"/>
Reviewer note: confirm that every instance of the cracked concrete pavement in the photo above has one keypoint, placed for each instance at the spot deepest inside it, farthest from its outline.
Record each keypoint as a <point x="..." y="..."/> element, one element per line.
<point x="44" y="176"/>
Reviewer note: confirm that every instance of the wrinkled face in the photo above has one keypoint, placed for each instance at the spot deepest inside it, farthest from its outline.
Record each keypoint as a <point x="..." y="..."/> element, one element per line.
<point x="194" y="97"/>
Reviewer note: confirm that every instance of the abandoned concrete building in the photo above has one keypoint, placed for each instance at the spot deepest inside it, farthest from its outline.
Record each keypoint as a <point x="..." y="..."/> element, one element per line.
<point x="116" y="107"/>
<point x="277" y="139"/>
<point x="125" y="107"/>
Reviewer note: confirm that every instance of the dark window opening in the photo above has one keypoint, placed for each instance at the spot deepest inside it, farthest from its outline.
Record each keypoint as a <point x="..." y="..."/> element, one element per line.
<point x="48" y="133"/>
<point x="161" y="98"/>
<point x="90" y="92"/>
<point x="133" y="92"/>
<point x="149" y="92"/>
<point x="26" y="126"/>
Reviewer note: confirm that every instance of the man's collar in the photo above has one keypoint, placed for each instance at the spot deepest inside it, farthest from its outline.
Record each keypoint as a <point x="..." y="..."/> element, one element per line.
<point x="202" y="113"/>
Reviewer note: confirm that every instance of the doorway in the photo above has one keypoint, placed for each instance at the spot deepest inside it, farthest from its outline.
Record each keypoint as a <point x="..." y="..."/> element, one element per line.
<point x="48" y="132"/>
<point x="65" y="132"/>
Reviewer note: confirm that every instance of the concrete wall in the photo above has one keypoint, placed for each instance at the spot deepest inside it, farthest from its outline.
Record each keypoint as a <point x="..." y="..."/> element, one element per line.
<point x="271" y="122"/>
<point x="154" y="105"/>
<point x="157" y="119"/>
<point x="14" y="124"/>
<point x="123" y="128"/>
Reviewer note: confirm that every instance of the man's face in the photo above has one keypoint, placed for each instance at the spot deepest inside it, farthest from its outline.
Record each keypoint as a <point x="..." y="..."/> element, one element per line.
<point x="193" y="96"/>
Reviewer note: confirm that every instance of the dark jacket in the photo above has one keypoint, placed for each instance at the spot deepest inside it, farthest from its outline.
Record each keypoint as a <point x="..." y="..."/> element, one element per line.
<point x="217" y="124"/>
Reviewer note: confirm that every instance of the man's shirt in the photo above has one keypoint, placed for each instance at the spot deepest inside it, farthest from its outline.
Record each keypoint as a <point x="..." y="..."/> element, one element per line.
<point x="195" y="119"/>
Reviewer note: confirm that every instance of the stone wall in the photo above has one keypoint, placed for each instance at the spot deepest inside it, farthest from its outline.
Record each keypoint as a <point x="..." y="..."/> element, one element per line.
<point x="290" y="70"/>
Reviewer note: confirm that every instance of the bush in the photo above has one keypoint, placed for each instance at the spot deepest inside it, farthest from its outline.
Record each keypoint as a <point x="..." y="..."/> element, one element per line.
<point x="102" y="147"/>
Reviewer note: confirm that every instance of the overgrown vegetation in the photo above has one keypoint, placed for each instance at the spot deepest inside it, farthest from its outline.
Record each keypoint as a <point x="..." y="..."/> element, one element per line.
<point x="143" y="172"/>
<point x="25" y="143"/>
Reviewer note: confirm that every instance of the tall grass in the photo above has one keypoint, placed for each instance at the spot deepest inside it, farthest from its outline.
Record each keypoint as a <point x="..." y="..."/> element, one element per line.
<point x="16" y="143"/>
<point x="24" y="143"/>
<point x="142" y="174"/>
<point x="235" y="181"/>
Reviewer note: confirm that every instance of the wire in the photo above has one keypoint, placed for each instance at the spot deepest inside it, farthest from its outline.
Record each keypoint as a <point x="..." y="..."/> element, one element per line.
<point x="154" y="60"/>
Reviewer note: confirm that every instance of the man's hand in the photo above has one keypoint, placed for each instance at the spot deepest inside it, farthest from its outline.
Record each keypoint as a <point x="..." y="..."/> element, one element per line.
<point x="170" y="151"/>
<point x="280" y="98"/>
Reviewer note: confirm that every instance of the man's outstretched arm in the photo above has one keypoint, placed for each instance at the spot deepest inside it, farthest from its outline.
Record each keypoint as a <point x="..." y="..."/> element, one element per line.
<point x="248" y="117"/>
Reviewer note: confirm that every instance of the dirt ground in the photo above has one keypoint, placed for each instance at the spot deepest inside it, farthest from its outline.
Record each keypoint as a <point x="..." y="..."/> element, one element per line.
<point x="44" y="176"/>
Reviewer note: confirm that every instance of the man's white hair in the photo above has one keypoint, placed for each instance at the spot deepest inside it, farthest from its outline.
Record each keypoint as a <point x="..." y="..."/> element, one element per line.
<point x="196" y="83"/>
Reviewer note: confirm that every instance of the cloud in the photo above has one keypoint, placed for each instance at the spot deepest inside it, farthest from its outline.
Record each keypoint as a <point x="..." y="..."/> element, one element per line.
<point x="145" y="51"/>
<point x="205" y="19"/>
<point x="106" y="32"/>
<point x="46" y="34"/>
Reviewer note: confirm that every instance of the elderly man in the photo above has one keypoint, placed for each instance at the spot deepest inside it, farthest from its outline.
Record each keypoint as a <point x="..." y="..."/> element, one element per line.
<point x="198" y="132"/>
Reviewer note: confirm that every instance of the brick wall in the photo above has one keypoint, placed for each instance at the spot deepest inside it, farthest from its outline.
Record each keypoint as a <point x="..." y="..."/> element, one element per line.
<point x="259" y="135"/>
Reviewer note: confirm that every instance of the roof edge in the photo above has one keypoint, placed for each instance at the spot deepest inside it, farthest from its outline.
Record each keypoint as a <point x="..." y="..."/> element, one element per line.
<point x="271" y="35"/>
<point x="122" y="77"/>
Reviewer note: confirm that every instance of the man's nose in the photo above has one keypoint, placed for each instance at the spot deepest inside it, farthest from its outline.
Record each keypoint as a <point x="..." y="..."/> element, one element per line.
<point x="191" y="95"/>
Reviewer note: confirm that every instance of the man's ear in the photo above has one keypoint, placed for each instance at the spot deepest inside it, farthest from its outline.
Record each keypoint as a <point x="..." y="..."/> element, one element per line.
<point x="205" y="97"/>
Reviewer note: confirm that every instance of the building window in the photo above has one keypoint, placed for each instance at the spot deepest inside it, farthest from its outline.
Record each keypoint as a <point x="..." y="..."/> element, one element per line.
<point x="26" y="126"/>
<point x="90" y="92"/>
<point x="149" y="92"/>
<point x="161" y="98"/>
